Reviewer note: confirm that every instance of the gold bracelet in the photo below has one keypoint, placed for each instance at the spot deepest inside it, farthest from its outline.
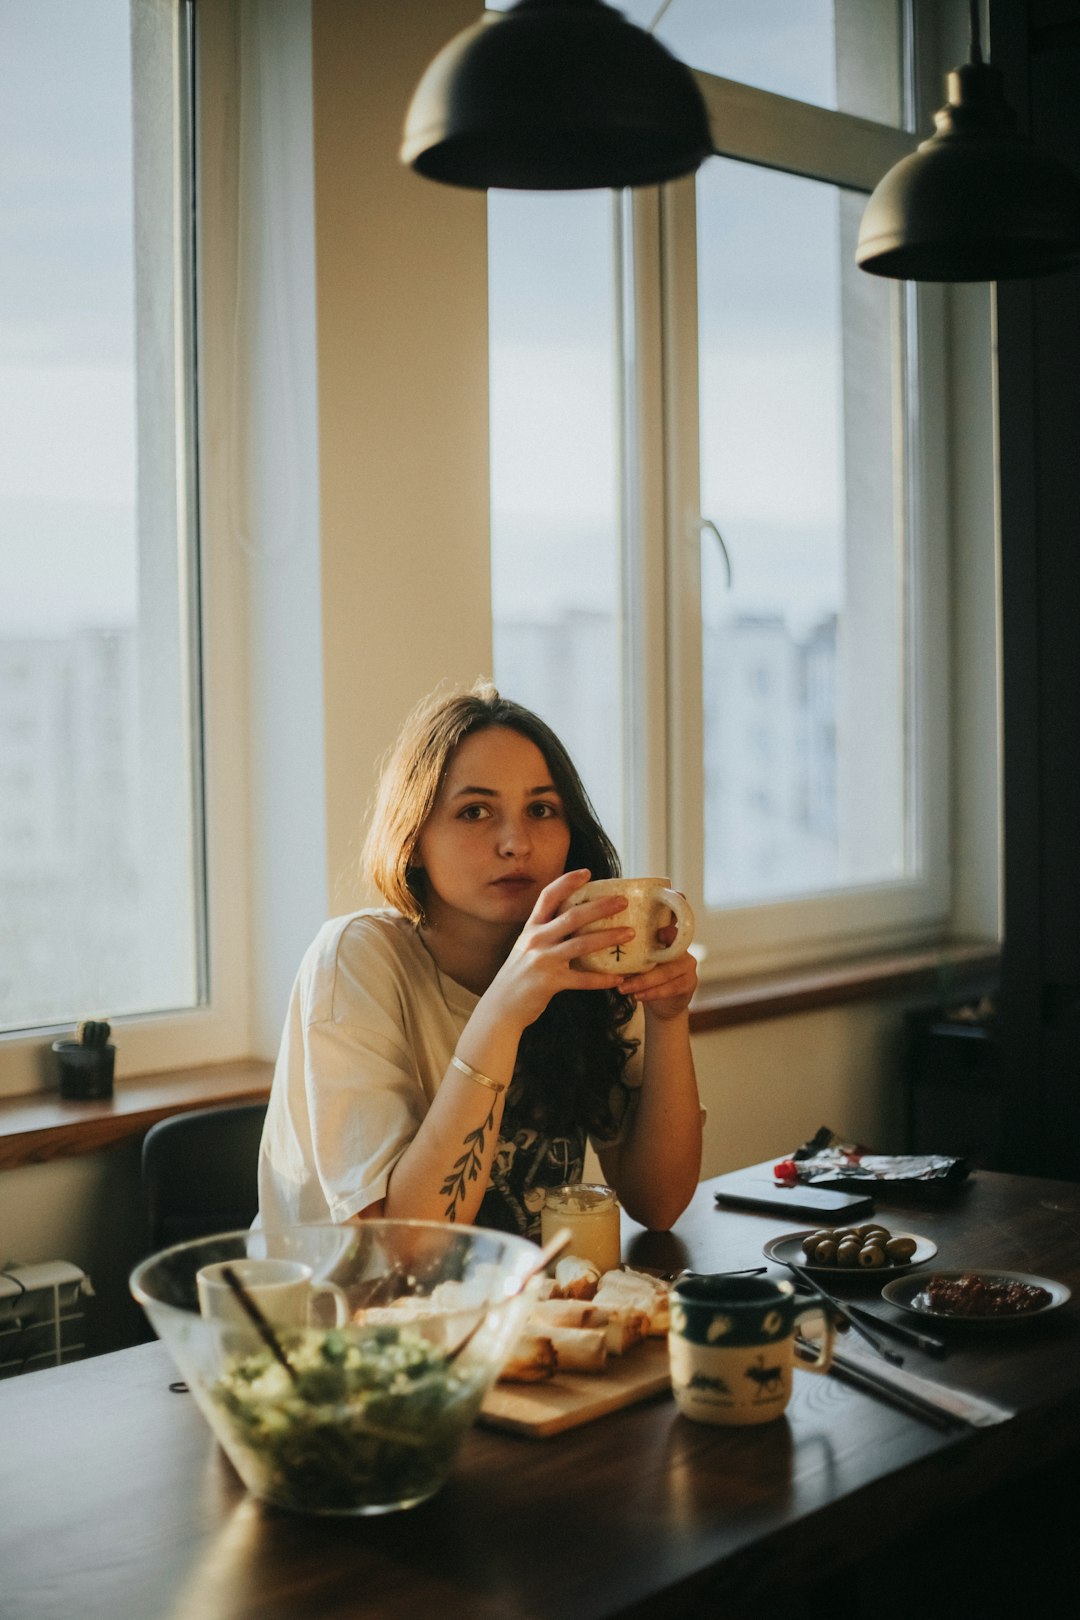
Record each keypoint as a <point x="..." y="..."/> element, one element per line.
<point x="474" y="1074"/>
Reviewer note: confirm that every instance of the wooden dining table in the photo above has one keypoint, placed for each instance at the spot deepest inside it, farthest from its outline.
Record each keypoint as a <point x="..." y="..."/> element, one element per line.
<point x="117" y="1504"/>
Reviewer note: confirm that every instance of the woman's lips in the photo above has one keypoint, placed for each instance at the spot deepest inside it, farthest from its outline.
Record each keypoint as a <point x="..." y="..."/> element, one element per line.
<point x="514" y="883"/>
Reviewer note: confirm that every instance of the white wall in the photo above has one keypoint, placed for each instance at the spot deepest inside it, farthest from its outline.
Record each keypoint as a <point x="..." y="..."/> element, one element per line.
<point x="768" y="1087"/>
<point x="86" y="1210"/>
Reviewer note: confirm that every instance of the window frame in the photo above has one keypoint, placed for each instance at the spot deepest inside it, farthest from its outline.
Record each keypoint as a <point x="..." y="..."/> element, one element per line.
<point x="216" y="1028"/>
<point x="659" y="277"/>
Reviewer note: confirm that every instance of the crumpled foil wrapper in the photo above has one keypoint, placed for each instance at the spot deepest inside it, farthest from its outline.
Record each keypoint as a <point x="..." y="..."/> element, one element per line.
<point x="825" y="1161"/>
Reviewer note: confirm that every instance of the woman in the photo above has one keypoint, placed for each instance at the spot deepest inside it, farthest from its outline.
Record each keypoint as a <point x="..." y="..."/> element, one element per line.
<point x="442" y="1059"/>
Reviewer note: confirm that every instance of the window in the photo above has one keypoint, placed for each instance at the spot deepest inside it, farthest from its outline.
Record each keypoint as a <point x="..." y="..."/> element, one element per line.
<point x="800" y="413"/>
<point x="841" y="54"/>
<point x="775" y="564"/>
<point x="100" y="867"/>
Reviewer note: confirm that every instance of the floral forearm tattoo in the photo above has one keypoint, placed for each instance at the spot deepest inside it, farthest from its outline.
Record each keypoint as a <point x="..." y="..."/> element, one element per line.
<point x="467" y="1168"/>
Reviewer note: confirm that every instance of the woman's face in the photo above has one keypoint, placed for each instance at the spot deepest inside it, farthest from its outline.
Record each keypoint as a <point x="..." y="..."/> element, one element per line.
<point x="497" y="833"/>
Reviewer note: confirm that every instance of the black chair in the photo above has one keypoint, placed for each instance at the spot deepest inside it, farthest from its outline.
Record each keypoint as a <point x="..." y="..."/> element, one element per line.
<point x="199" y="1172"/>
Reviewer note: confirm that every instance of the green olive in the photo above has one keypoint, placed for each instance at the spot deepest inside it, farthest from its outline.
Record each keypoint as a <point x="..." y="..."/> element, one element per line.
<point x="871" y="1255"/>
<point x="825" y="1253"/>
<point x="842" y="1232"/>
<point x="900" y="1248"/>
<point x="847" y="1253"/>
<point x="876" y="1233"/>
<point x="866" y="1231"/>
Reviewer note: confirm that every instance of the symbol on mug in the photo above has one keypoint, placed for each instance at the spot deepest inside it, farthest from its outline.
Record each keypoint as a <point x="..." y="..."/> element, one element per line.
<point x="700" y="1380"/>
<point x="769" y="1380"/>
<point x="718" y="1328"/>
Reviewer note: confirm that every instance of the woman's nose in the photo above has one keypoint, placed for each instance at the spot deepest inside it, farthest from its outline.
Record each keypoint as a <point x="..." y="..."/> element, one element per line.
<point x="515" y="835"/>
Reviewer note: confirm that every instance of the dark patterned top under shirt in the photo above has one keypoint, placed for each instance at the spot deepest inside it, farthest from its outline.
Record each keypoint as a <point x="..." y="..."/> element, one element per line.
<point x="527" y="1161"/>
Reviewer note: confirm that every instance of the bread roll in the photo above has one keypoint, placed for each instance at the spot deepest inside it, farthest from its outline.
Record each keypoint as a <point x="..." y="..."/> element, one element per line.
<point x="626" y="1327"/>
<point x="640" y="1292"/>
<point x="531" y="1360"/>
<point x="575" y="1278"/>
<point x="566" y="1313"/>
<point x="579" y="1350"/>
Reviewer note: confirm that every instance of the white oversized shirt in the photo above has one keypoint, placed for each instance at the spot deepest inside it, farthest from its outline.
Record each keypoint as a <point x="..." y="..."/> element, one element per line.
<point x="370" y="1030"/>
<point x="371" y="1027"/>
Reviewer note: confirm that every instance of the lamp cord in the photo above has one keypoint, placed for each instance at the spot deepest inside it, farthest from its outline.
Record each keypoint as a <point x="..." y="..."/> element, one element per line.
<point x="974" y="31"/>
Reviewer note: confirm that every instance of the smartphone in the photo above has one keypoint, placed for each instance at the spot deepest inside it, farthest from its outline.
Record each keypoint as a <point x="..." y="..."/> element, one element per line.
<point x="742" y="1191"/>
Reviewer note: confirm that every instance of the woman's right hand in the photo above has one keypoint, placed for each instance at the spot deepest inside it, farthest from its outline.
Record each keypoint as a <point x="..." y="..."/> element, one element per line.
<point x="538" y="965"/>
<point x="464" y="1118"/>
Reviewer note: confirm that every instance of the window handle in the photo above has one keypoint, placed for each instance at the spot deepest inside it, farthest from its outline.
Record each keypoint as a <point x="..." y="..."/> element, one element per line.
<point x="707" y="523"/>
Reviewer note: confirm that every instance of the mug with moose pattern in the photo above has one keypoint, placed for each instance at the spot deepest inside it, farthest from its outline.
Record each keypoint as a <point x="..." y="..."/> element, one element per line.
<point x="734" y="1342"/>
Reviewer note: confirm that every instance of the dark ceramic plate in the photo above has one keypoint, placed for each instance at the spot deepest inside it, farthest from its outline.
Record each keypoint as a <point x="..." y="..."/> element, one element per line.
<point x="905" y="1292"/>
<point x="789" y="1248"/>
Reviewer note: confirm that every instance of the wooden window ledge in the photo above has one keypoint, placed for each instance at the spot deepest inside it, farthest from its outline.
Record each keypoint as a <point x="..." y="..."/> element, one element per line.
<point x="37" y="1128"/>
<point x="939" y="973"/>
<point x="41" y="1127"/>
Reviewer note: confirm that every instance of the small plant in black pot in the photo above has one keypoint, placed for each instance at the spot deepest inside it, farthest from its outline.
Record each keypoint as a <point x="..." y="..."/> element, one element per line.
<point x="86" y="1063"/>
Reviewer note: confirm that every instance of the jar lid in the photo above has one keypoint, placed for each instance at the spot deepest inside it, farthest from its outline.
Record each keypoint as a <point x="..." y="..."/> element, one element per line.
<point x="580" y="1197"/>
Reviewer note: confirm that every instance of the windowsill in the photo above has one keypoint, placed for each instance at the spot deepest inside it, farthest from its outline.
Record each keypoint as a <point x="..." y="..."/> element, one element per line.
<point x="37" y="1128"/>
<point x="41" y="1127"/>
<point x="946" y="972"/>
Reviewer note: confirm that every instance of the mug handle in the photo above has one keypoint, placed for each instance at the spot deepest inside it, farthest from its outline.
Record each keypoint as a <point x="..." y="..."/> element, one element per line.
<point x="823" y="1360"/>
<point x="684" y="924"/>
<point x="341" y="1304"/>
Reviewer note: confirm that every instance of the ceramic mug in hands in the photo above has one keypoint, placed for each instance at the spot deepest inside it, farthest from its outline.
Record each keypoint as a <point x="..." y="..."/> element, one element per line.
<point x="733" y="1344"/>
<point x="650" y="906"/>
<point x="283" y="1290"/>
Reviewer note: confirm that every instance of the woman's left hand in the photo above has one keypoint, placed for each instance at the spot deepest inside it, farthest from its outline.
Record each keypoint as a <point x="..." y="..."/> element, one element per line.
<point x="665" y="989"/>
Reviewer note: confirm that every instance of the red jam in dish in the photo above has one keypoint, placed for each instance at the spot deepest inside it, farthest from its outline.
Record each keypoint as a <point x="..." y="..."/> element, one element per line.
<point x="982" y="1296"/>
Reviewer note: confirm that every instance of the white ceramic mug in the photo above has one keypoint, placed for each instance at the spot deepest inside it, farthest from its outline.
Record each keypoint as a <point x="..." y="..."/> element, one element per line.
<point x="650" y="906"/>
<point x="283" y="1290"/>
<point x="733" y="1345"/>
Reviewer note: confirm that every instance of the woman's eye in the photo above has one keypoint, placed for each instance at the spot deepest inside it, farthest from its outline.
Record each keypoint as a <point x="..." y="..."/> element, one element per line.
<point x="543" y="811"/>
<point x="474" y="812"/>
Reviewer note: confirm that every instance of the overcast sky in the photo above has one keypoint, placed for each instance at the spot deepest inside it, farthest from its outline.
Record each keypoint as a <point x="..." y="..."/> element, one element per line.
<point x="66" y="338"/>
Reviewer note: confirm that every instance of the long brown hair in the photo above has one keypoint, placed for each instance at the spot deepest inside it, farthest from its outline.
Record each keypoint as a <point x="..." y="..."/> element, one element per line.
<point x="415" y="767"/>
<point x="572" y="1059"/>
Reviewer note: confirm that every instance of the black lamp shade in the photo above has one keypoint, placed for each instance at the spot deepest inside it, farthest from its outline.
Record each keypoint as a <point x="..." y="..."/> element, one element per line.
<point x="555" y="95"/>
<point x="976" y="202"/>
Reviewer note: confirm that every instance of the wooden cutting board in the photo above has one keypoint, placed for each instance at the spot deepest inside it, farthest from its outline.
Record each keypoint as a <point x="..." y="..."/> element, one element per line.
<point x="565" y="1401"/>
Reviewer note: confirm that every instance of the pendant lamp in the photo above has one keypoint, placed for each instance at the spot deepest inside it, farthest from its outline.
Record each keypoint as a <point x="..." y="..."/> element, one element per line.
<point x="977" y="201"/>
<point x="555" y="95"/>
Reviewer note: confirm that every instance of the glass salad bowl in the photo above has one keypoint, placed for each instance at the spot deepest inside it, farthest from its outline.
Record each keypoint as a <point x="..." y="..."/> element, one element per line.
<point x="342" y="1374"/>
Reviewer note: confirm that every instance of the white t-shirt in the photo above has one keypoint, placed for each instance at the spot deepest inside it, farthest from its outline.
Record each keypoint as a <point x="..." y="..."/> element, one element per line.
<point x="370" y="1030"/>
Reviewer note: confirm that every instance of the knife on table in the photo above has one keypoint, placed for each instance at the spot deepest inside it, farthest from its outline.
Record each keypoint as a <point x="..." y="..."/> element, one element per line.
<point x="927" y="1342"/>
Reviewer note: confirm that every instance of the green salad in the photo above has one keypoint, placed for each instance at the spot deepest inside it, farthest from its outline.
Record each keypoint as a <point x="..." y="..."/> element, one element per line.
<point x="369" y="1421"/>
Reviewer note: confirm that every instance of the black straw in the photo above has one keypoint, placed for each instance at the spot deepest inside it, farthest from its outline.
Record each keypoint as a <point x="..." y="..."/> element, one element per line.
<point x="266" y="1332"/>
